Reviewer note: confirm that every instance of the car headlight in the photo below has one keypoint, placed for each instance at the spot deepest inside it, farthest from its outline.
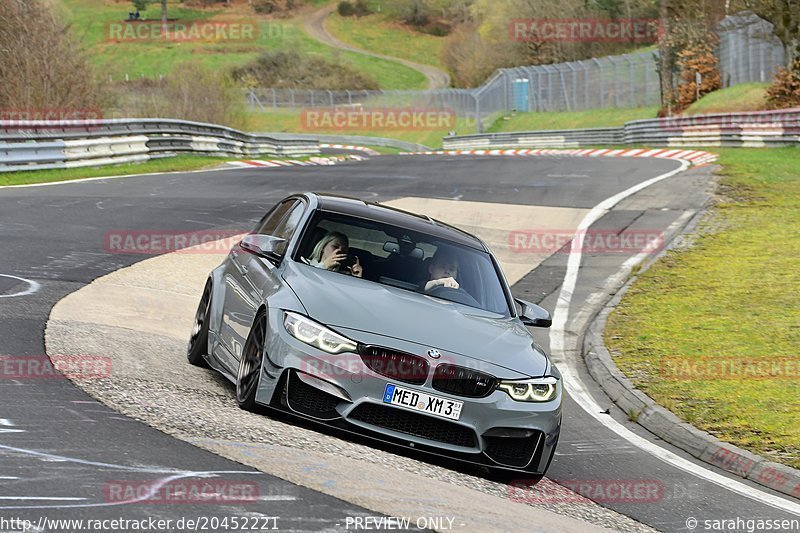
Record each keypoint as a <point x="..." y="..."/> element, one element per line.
<point x="306" y="330"/>
<point x="531" y="390"/>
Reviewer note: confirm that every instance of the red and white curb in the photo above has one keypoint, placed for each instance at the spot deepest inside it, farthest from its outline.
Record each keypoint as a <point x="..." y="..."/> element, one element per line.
<point x="312" y="162"/>
<point x="695" y="157"/>
<point x="368" y="151"/>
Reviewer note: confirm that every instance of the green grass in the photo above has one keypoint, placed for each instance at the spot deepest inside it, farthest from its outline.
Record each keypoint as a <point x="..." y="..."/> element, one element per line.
<point x="172" y="164"/>
<point x="289" y="121"/>
<point x="734" y="296"/>
<point x="151" y="59"/>
<point x="744" y="97"/>
<point x="377" y="34"/>
<point x="593" y="118"/>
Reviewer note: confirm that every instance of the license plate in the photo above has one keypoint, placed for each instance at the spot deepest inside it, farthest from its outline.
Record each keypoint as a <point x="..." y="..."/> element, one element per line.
<point x="424" y="403"/>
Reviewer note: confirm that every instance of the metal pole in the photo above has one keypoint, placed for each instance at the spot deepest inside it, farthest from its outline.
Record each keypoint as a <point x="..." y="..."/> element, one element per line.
<point x="585" y="85"/>
<point x="602" y="93"/>
<point x="632" y="83"/>
<point x="478" y="124"/>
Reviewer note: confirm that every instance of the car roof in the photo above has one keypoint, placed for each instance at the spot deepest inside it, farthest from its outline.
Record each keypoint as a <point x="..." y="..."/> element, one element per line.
<point x="395" y="217"/>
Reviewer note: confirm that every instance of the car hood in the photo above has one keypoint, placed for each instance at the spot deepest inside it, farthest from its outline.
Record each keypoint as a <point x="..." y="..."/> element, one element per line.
<point x="342" y="301"/>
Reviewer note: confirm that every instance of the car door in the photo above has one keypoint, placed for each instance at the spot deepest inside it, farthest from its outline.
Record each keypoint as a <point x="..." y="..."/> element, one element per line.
<point x="252" y="279"/>
<point x="239" y="295"/>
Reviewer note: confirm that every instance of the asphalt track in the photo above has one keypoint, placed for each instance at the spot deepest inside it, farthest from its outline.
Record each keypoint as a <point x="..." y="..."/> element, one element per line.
<point x="55" y="441"/>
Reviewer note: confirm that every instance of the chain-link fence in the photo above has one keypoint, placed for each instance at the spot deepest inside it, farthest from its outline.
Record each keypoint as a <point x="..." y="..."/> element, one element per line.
<point x="748" y="52"/>
<point x="617" y="81"/>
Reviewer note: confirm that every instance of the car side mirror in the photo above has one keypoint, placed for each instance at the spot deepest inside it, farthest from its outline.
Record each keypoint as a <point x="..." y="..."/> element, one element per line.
<point x="534" y="315"/>
<point x="266" y="246"/>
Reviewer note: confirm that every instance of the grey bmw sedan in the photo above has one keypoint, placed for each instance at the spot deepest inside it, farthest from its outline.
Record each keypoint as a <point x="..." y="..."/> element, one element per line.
<point x="384" y="323"/>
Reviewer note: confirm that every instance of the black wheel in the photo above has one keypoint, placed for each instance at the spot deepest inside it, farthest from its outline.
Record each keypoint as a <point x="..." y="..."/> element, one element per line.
<point x="250" y="364"/>
<point x="198" y="342"/>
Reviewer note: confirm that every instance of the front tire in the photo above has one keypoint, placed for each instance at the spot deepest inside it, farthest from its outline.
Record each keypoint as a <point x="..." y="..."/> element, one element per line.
<point x="247" y="378"/>
<point x="198" y="341"/>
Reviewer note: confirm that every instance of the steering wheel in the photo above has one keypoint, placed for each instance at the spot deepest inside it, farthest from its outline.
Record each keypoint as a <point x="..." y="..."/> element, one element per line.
<point x="458" y="295"/>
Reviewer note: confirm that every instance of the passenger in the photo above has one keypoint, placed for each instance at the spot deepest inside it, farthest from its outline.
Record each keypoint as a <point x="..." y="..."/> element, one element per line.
<point x="442" y="270"/>
<point x="331" y="253"/>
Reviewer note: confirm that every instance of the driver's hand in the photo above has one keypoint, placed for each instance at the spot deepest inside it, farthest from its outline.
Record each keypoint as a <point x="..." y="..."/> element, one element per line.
<point x="334" y="260"/>
<point x="356" y="270"/>
<point x="450" y="283"/>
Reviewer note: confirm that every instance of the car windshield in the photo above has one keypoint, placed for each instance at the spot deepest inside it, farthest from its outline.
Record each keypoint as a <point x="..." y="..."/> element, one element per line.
<point x="399" y="257"/>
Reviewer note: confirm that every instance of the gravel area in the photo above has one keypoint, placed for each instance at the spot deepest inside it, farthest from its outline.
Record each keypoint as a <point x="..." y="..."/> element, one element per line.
<point x="152" y="382"/>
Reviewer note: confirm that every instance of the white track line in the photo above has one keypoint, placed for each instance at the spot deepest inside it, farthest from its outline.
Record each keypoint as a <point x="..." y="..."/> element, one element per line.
<point x="582" y="397"/>
<point x="33" y="287"/>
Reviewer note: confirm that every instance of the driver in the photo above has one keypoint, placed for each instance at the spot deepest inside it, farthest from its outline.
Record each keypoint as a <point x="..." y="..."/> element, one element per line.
<point x="442" y="270"/>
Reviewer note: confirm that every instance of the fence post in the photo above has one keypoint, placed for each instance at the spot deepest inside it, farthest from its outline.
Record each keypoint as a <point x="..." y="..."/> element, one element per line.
<point x="616" y="81"/>
<point x="632" y="83"/>
<point x="478" y="123"/>
<point x="602" y="92"/>
<point x="585" y="72"/>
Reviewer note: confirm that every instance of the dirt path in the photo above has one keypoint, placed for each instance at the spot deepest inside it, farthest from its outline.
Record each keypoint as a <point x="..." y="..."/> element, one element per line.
<point x="315" y="26"/>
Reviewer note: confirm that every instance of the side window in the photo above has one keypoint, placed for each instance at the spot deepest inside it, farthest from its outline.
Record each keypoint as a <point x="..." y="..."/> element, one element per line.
<point x="270" y="222"/>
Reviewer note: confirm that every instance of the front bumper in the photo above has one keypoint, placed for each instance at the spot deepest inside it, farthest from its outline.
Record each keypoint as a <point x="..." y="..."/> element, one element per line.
<point x="342" y="392"/>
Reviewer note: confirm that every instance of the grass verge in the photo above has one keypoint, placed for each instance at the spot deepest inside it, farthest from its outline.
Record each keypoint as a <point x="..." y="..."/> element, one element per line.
<point x="93" y="20"/>
<point x="289" y="122"/>
<point x="170" y="164"/>
<point x="592" y="118"/>
<point x="731" y="301"/>
<point x="376" y="34"/>
<point x="744" y="97"/>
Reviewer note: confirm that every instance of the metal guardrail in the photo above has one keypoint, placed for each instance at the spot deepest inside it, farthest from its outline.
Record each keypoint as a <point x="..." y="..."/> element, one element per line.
<point x="33" y="145"/>
<point x="363" y="140"/>
<point x="756" y="129"/>
<point x="538" y="139"/>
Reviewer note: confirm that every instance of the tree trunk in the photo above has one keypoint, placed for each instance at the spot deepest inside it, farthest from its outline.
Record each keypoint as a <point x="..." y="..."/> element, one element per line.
<point x="665" y="56"/>
<point x="164" y="18"/>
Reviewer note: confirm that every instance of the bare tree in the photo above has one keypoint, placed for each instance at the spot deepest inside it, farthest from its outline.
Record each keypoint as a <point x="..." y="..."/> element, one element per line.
<point x="665" y="56"/>
<point x="41" y="65"/>
<point x="164" y="17"/>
